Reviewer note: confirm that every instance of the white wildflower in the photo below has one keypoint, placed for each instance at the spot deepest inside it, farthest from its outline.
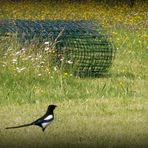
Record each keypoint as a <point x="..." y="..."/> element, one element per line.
<point x="14" y="61"/>
<point x="69" y="62"/>
<point x="23" y="49"/>
<point x="28" y="58"/>
<point x="46" y="43"/>
<point x="46" y="48"/>
<point x="55" y="68"/>
<point x="18" y="53"/>
<point x="20" y="69"/>
<point x="9" y="49"/>
<point x="40" y="56"/>
<point x="39" y="74"/>
<point x="62" y="59"/>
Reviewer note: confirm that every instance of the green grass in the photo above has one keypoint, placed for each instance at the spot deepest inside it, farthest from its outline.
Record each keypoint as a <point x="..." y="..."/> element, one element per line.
<point x="39" y="82"/>
<point x="92" y="112"/>
<point x="78" y="123"/>
<point x="111" y="111"/>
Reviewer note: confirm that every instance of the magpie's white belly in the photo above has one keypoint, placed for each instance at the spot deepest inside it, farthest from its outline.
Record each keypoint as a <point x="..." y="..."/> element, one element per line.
<point x="45" y="124"/>
<point x="48" y="120"/>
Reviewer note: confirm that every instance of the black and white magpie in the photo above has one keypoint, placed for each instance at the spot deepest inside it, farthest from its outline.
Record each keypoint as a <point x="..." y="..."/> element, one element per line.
<point x="42" y="122"/>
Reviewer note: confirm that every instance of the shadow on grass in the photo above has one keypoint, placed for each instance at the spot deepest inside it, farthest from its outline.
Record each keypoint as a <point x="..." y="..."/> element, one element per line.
<point x="128" y="75"/>
<point x="124" y="74"/>
<point x="75" y="144"/>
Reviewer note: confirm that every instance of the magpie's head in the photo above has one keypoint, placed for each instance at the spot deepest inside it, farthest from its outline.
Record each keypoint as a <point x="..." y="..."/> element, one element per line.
<point x="51" y="107"/>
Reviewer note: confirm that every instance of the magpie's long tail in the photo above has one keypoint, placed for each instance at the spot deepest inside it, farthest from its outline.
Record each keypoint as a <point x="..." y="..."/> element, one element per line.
<point x="24" y="125"/>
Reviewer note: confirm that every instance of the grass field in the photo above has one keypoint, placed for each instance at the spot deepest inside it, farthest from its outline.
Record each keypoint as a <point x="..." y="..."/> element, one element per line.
<point x="78" y="123"/>
<point x="111" y="111"/>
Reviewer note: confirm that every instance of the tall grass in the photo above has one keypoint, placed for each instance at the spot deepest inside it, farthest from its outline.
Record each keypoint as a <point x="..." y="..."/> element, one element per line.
<point x="109" y="111"/>
<point x="27" y="77"/>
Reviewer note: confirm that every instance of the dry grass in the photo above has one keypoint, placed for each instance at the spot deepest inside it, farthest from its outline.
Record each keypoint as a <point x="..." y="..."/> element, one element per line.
<point x="89" y="123"/>
<point x="105" y="112"/>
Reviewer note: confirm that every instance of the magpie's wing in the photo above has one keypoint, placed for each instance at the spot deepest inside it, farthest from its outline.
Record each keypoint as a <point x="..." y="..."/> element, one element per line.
<point x="44" y="118"/>
<point x="24" y="125"/>
<point x="39" y="120"/>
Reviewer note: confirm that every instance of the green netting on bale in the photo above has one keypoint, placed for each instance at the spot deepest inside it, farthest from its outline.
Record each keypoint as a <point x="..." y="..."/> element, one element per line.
<point x="83" y="42"/>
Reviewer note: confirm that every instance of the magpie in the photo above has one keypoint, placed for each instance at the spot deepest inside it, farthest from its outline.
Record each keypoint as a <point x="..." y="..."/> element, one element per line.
<point x="43" y="121"/>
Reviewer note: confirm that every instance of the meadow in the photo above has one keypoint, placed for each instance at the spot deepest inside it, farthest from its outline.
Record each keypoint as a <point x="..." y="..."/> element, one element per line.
<point x="110" y="111"/>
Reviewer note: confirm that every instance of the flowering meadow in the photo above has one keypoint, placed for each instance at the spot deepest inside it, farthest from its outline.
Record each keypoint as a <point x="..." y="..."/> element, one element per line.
<point x="31" y="64"/>
<point x="113" y="103"/>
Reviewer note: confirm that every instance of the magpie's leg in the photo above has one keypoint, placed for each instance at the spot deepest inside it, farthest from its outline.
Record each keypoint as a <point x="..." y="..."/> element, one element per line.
<point x="43" y="129"/>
